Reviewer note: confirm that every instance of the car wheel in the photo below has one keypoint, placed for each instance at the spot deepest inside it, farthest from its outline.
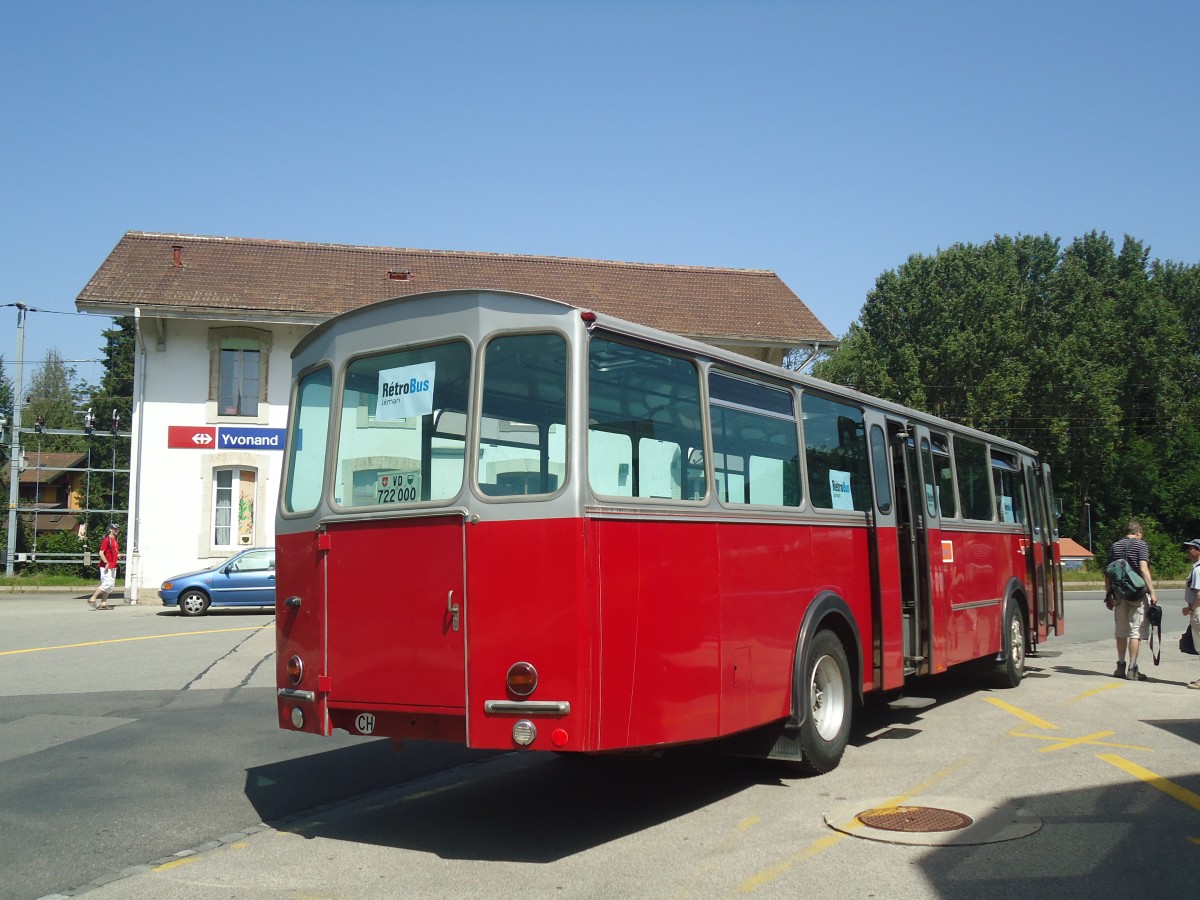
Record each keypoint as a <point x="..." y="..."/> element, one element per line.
<point x="826" y="728"/>
<point x="193" y="603"/>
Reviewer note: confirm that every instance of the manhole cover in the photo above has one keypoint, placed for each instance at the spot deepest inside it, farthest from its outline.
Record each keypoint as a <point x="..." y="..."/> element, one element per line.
<point x="937" y="822"/>
<point x="914" y="819"/>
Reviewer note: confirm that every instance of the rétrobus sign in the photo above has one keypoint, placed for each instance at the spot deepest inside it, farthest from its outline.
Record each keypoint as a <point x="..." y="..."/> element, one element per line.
<point x="406" y="391"/>
<point x="209" y="437"/>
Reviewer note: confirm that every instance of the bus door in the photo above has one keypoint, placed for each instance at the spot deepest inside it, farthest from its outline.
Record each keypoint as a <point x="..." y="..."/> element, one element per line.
<point x="913" y="547"/>
<point x="394" y="613"/>
<point x="1045" y="576"/>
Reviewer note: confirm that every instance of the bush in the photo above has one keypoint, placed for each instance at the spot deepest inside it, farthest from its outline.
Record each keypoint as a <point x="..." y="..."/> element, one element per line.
<point x="58" y="542"/>
<point x="1167" y="559"/>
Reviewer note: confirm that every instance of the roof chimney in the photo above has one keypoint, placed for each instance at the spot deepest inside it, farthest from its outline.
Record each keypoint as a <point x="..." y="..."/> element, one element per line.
<point x="177" y="256"/>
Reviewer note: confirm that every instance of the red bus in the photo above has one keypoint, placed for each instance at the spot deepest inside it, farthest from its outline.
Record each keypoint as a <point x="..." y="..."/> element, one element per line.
<point x="514" y="523"/>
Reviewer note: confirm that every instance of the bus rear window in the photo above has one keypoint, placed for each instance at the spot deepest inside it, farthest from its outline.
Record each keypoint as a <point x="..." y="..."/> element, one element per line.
<point x="308" y="441"/>
<point x="402" y="429"/>
<point x="522" y="433"/>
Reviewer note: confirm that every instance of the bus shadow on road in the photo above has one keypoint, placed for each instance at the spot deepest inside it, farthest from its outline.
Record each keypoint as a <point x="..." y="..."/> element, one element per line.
<point x="521" y="807"/>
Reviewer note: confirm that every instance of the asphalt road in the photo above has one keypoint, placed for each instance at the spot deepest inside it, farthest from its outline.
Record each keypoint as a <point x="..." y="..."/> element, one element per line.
<point x="139" y="758"/>
<point x="129" y="734"/>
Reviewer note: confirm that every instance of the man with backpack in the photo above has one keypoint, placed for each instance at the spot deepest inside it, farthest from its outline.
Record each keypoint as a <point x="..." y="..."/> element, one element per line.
<point x="1129" y="612"/>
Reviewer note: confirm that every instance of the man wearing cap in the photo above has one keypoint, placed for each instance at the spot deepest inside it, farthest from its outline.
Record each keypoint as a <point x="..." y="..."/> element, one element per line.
<point x="110" y="552"/>
<point x="1191" y="597"/>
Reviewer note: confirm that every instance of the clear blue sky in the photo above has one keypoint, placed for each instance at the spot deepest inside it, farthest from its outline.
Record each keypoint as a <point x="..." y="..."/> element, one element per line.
<point x="827" y="141"/>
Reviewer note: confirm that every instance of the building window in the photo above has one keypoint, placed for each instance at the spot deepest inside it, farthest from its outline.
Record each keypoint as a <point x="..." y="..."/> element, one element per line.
<point x="237" y="382"/>
<point x="233" y="507"/>
<point x="237" y="392"/>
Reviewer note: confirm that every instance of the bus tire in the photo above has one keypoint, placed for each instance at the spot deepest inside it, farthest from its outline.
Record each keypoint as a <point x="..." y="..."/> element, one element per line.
<point x="1011" y="670"/>
<point x="826" y="727"/>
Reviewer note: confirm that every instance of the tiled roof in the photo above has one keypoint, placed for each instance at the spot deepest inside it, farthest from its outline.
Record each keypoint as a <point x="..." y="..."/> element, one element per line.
<point x="47" y="467"/>
<point x="1071" y="548"/>
<point x="167" y="274"/>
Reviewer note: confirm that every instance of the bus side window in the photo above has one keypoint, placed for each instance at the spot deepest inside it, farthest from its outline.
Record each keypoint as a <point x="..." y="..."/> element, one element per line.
<point x="1010" y="494"/>
<point x="645" y="422"/>
<point x="610" y="463"/>
<point x="880" y="466"/>
<point x="835" y="450"/>
<point x="930" y="484"/>
<point x="755" y="445"/>
<point x="974" y="483"/>
<point x="943" y="475"/>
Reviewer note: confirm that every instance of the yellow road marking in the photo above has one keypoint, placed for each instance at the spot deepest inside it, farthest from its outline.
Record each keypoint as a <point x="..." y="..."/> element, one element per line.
<point x="1170" y="788"/>
<point x="1061" y="743"/>
<point x="176" y="863"/>
<point x="1021" y="714"/>
<point x="145" y="637"/>
<point x="1094" y="691"/>
<point x="754" y="882"/>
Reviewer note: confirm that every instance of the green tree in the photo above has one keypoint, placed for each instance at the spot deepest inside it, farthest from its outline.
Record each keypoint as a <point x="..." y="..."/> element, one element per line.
<point x="6" y="410"/>
<point x="56" y="393"/>
<point x="6" y="390"/>
<point x="1086" y="354"/>
<point x="107" y="451"/>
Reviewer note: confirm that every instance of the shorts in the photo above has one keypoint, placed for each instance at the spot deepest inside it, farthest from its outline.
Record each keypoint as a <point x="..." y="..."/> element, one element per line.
<point x="1130" y="619"/>
<point x="108" y="579"/>
<point x="1194" y="623"/>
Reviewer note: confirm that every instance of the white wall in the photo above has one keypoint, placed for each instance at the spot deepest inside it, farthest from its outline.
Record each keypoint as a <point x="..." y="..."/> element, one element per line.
<point x="169" y="529"/>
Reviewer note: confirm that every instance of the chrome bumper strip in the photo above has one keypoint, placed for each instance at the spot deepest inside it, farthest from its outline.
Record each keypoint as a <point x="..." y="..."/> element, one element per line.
<point x="528" y="707"/>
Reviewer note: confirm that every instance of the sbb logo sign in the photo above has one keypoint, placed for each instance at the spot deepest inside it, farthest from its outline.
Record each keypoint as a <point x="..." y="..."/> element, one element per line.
<point x="191" y="437"/>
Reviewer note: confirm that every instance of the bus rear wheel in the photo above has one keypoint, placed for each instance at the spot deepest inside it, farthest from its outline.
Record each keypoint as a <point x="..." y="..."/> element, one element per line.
<point x="826" y="727"/>
<point x="1011" y="670"/>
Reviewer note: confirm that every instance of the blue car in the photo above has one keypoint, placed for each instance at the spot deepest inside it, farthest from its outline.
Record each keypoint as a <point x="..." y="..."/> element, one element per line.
<point x="247" y="579"/>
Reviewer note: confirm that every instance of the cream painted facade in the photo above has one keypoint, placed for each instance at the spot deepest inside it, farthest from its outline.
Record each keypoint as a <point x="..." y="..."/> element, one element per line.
<point x="204" y="483"/>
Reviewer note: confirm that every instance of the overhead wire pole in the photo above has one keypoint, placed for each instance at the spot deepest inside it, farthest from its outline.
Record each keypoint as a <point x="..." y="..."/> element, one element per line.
<point x="14" y="447"/>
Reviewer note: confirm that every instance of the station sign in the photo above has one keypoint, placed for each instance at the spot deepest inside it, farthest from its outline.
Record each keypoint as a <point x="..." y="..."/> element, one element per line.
<point x="250" y="438"/>
<point x="210" y="437"/>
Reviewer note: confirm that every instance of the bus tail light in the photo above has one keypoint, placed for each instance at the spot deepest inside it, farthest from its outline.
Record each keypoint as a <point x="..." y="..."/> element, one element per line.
<point x="295" y="669"/>
<point x="297" y="717"/>
<point x="522" y="679"/>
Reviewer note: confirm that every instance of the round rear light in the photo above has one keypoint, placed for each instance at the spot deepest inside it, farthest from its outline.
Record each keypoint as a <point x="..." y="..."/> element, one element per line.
<point x="522" y="679"/>
<point x="524" y="733"/>
<point x="295" y="669"/>
<point x="297" y="717"/>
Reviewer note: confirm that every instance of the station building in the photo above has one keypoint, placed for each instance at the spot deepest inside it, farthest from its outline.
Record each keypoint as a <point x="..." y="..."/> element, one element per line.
<point x="217" y="319"/>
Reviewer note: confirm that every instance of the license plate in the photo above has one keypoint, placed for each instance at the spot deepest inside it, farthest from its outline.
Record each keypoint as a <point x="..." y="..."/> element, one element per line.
<point x="398" y="487"/>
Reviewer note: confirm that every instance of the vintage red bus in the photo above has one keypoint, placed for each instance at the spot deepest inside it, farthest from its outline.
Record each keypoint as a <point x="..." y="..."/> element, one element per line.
<point x="514" y="523"/>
